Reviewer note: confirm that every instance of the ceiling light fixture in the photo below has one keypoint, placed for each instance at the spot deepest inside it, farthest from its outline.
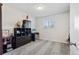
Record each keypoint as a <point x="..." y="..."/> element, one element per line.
<point x="40" y="8"/>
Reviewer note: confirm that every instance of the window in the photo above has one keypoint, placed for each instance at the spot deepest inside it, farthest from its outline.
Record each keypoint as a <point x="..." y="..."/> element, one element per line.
<point x="76" y="23"/>
<point x="48" y="22"/>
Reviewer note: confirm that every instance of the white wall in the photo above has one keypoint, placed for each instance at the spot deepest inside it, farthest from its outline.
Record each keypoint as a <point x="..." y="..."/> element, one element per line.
<point x="59" y="32"/>
<point x="74" y="30"/>
<point x="74" y="15"/>
<point x="10" y="16"/>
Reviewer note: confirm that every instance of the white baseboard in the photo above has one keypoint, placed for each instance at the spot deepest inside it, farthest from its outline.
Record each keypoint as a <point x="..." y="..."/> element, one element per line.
<point x="56" y="41"/>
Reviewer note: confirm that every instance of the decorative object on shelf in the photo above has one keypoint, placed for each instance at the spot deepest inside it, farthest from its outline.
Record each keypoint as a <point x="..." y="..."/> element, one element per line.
<point x="26" y="23"/>
<point x="27" y="17"/>
<point x="18" y="24"/>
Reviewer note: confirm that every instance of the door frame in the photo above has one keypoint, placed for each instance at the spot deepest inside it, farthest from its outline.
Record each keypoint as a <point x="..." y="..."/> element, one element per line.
<point x="1" y="41"/>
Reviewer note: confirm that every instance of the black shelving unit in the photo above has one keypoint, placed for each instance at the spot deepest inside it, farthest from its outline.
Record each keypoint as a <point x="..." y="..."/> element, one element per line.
<point x="22" y="35"/>
<point x="18" y="32"/>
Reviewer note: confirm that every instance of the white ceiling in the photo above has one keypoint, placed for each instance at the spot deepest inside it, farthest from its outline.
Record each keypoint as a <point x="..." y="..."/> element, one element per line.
<point x="49" y="8"/>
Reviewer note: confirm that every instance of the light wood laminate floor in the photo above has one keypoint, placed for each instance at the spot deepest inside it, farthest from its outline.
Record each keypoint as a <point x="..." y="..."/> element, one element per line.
<point x="42" y="47"/>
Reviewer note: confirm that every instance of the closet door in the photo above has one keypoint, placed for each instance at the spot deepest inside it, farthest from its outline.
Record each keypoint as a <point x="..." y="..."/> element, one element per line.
<point x="1" y="42"/>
